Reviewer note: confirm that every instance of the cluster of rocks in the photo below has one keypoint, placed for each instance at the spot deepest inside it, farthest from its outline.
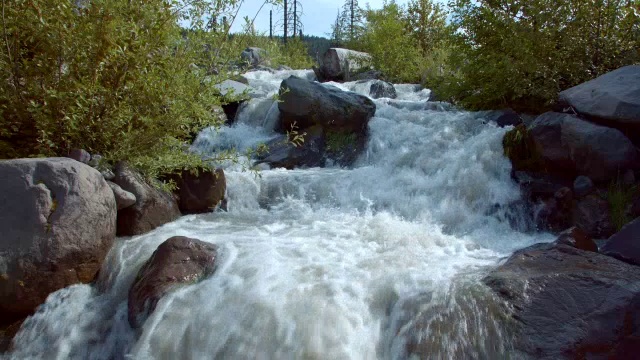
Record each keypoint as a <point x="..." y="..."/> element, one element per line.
<point x="61" y="217"/>
<point x="571" y="298"/>
<point x="568" y="163"/>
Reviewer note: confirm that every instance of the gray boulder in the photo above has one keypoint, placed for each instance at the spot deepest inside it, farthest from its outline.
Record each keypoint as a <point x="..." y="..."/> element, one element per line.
<point x="253" y="56"/>
<point x="569" y="145"/>
<point x="625" y="244"/>
<point x="153" y="207"/>
<point x="336" y="64"/>
<point x="613" y="98"/>
<point x="59" y="221"/>
<point x="306" y="103"/>
<point x="124" y="199"/>
<point x="567" y="303"/>
<point x="178" y="261"/>
<point x="80" y="155"/>
<point x="382" y="89"/>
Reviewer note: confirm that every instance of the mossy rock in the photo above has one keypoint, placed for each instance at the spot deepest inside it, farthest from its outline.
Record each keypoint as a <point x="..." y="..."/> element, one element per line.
<point x="520" y="148"/>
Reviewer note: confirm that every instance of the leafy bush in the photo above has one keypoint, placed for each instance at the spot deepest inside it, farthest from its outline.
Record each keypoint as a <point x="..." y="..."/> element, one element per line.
<point x="111" y="76"/>
<point x="117" y="77"/>
<point x="521" y="53"/>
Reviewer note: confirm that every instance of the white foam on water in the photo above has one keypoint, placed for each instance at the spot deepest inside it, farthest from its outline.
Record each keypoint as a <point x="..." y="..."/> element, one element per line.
<point x="317" y="263"/>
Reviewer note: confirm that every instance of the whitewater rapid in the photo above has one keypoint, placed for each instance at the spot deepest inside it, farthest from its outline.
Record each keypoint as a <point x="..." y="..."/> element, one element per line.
<point x="374" y="262"/>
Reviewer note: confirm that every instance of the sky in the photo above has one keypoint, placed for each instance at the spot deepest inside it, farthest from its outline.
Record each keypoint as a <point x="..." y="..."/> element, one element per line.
<point x="318" y="15"/>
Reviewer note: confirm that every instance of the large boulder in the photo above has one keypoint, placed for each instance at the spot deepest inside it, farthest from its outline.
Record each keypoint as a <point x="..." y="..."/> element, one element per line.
<point x="253" y="56"/>
<point x="58" y="218"/>
<point x="625" y="244"/>
<point x="593" y="215"/>
<point x="176" y="262"/>
<point x="572" y="146"/>
<point x="612" y="99"/>
<point x="567" y="303"/>
<point x="306" y="103"/>
<point x="336" y="64"/>
<point x="153" y="206"/>
<point x="201" y="192"/>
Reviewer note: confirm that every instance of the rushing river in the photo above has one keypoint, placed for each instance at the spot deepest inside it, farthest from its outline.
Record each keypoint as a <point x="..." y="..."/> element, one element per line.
<point x="374" y="262"/>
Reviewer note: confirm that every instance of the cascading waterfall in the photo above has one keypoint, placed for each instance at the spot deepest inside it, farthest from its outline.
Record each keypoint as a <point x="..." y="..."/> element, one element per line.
<point x="379" y="261"/>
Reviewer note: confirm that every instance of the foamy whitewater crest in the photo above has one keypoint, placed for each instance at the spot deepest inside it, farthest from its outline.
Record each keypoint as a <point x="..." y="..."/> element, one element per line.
<point x="329" y="263"/>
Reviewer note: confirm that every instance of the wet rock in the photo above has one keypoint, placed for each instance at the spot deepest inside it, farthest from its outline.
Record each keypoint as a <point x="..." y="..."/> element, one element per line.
<point x="568" y="303"/>
<point x="382" y="89"/>
<point x="569" y="145"/>
<point x="153" y="207"/>
<point x="124" y="199"/>
<point x="367" y="75"/>
<point x="202" y="192"/>
<point x="59" y="222"/>
<point x="80" y="155"/>
<point x="577" y="238"/>
<point x="583" y="186"/>
<point x="305" y="103"/>
<point x="613" y="99"/>
<point x="176" y="262"/>
<point x="283" y="153"/>
<point x="537" y="186"/>
<point x="625" y="244"/>
<point x="502" y="118"/>
<point x="592" y="214"/>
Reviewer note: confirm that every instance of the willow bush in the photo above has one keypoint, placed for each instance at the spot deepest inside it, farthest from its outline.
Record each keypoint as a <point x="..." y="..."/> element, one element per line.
<point x="521" y="53"/>
<point x="116" y="77"/>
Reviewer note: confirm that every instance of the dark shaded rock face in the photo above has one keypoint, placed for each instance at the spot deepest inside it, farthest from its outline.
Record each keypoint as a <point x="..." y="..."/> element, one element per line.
<point x="577" y="238"/>
<point x="570" y="304"/>
<point x="583" y="186"/>
<point x="571" y="146"/>
<point x="306" y="103"/>
<point x="58" y="220"/>
<point x="592" y="214"/>
<point x="310" y="153"/>
<point x="612" y="99"/>
<point x="177" y="261"/>
<point x="625" y="244"/>
<point x="153" y="207"/>
<point x="124" y="199"/>
<point x="502" y="118"/>
<point x="202" y="192"/>
<point x="382" y="89"/>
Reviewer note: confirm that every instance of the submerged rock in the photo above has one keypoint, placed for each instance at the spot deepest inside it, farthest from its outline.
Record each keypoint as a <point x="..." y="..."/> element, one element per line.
<point x="382" y="89"/>
<point x="58" y="218"/>
<point x="285" y="154"/>
<point x="176" y="262"/>
<point x="567" y="303"/>
<point x="153" y="207"/>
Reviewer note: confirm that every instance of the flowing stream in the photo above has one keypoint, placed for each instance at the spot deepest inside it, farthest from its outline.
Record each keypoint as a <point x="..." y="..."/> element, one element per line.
<point x="380" y="261"/>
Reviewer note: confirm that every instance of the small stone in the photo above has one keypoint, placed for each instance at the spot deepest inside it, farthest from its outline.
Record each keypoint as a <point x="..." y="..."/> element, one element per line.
<point x="95" y="161"/>
<point x="80" y="155"/>
<point x="582" y="186"/>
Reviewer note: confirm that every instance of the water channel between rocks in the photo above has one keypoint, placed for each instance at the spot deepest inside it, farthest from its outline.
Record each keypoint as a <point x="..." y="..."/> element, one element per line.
<point x="378" y="261"/>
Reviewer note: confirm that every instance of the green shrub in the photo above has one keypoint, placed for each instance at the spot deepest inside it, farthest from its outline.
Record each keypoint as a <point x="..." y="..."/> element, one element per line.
<point x="521" y="53"/>
<point x="620" y="198"/>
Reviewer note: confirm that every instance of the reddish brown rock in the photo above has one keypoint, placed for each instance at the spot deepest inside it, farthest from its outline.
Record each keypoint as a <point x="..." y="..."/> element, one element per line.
<point x="177" y="261"/>
<point x="201" y="192"/>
